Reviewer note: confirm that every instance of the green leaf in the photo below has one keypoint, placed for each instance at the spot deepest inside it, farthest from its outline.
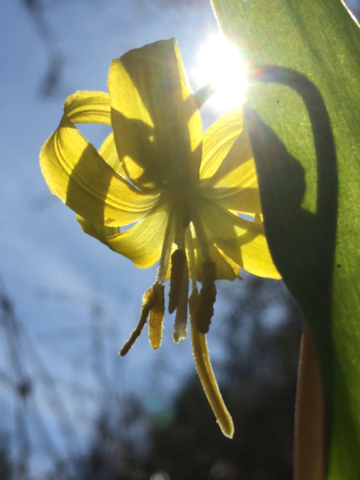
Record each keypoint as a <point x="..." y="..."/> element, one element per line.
<point x="309" y="172"/>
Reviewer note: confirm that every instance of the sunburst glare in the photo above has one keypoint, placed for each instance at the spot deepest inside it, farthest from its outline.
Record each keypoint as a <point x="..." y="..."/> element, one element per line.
<point x="219" y="63"/>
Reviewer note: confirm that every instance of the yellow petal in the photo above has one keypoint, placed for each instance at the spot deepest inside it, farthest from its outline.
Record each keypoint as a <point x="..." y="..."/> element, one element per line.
<point x="226" y="269"/>
<point x="109" y="153"/>
<point x="97" y="231"/>
<point x="94" y="107"/>
<point x="156" y="123"/>
<point x="88" y="107"/>
<point x="242" y="241"/>
<point x="228" y="174"/>
<point x="75" y="172"/>
<point x="143" y="242"/>
<point x="246" y="200"/>
<point x="218" y="140"/>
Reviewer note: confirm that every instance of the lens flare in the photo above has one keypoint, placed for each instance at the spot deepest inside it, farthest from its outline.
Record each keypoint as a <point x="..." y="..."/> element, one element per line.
<point x="220" y="64"/>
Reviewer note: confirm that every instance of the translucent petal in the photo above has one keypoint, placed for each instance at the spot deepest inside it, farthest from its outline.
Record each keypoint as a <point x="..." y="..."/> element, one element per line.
<point x="75" y="172"/>
<point x="218" y="140"/>
<point x="143" y="242"/>
<point x="109" y="153"/>
<point x="156" y="123"/>
<point x="226" y="269"/>
<point x="100" y="232"/>
<point x="228" y="174"/>
<point x="94" y="107"/>
<point x="88" y="107"/>
<point x="244" y="200"/>
<point x="242" y="241"/>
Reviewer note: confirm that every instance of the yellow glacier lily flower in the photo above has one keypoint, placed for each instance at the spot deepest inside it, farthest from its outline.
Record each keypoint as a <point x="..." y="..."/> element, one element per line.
<point x="183" y="189"/>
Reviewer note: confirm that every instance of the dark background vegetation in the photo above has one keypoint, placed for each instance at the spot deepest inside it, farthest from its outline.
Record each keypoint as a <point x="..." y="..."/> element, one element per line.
<point x="257" y="370"/>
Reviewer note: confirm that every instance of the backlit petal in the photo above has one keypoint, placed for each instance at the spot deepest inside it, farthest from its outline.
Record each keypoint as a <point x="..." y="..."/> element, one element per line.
<point x="242" y="241"/>
<point x="94" y="107"/>
<point x="75" y="172"/>
<point x="109" y="153"/>
<point x="143" y="242"/>
<point x="100" y="232"/>
<point x="228" y="174"/>
<point x="88" y="107"/>
<point x="218" y="140"/>
<point x="156" y="123"/>
<point x="243" y="200"/>
<point x="226" y="269"/>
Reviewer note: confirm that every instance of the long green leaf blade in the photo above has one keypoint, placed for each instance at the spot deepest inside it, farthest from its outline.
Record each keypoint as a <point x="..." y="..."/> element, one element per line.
<point x="311" y="204"/>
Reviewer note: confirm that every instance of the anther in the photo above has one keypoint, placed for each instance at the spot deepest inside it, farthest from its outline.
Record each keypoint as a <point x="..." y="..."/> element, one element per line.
<point x="149" y="302"/>
<point x="157" y="316"/>
<point x="207" y="297"/>
<point x="178" y="262"/>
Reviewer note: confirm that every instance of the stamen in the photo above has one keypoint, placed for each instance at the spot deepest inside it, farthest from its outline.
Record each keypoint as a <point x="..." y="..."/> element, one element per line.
<point x="205" y="371"/>
<point x="191" y="256"/>
<point x="179" y="237"/>
<point x="166" y="250"/>
<point x="200" y="233"/>
<point x="178" y="262"/>
<point x="187" y="217"/>
<point x="207" y="297"/>
<point x="149" y="301"/>
<point x="180" y="331"/>
<point x="157" y="316"/>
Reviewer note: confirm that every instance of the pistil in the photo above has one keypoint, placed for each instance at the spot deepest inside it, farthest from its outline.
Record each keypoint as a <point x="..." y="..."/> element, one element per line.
<point x="205" y="309"/>
<point x="166" y="249"/>
<point x="180" y="331"/>
<point x="199" y="344"/>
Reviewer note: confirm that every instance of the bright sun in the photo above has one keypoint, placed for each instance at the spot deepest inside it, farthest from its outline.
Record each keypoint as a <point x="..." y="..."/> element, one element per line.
<point x="219" y="63"/>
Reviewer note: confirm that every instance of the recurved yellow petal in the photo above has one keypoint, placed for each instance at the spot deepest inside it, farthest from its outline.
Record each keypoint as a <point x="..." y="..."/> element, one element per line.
<point x="157" y="126"/>
<point x="218" y="140"/>
<point x="242" y="241"/>
<point x="142" y="243"/>
<point x="88" y="107"/>
<point x="75" y="172"/>
<point x="228" y="174"/>
<point x="97" y="231"/>
<point x="243" y="200"/>
<point x="109" y="153"/>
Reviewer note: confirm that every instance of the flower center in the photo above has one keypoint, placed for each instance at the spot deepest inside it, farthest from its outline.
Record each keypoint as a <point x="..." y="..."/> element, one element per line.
<point x="184" y="246"/>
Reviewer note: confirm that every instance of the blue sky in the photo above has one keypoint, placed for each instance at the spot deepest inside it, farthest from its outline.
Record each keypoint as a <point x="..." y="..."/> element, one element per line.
<point x="54" y="273"/>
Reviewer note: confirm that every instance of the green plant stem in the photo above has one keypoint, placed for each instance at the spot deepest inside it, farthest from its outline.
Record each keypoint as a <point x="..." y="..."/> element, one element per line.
<point x="309" y="416"/>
